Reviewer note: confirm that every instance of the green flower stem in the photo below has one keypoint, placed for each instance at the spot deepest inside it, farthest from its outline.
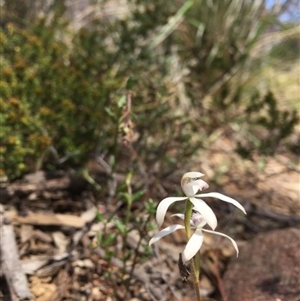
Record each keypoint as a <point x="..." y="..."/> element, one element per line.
<point x="195" y="280"/>
<point x="195" y="262"/>
<point x="187" y="218"/>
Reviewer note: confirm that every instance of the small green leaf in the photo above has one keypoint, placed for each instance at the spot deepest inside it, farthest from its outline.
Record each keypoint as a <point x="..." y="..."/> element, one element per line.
<point x="99" y="238"/>
<point x="126" y="196"/>
<point x="99" y="216"/>
<point x="120" y="226"/>
<point x="130" y="82"/>
<point x="151" y="206"/>
<point x="109" y="239"/>
<point x="171" y="159"/>
<point x="136" y="196"/>
<point x="109" y="112"/>
<point x="122" y="101"/>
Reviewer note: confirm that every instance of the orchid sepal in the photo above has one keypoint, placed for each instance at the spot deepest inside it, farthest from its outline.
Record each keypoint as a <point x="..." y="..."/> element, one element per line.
<point x="222" y="197"/>
<point x="163" y="207"/>
<point x="164" y="232"/>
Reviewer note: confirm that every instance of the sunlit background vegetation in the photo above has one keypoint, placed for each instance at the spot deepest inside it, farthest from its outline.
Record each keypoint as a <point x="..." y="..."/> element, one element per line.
<point x="196" y="71"/>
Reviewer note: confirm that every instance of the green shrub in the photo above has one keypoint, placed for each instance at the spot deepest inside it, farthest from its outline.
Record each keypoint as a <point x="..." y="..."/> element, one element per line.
<point x="54" y="98"/>
<point x="63" y="95"/>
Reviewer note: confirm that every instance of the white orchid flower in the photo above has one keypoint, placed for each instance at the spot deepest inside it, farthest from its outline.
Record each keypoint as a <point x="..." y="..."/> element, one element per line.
<point x="191" y="184"/>
<point x="195" y="242"/>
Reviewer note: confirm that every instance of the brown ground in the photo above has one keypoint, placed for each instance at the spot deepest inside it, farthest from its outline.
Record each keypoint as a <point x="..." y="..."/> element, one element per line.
<point x="56" y="227"/>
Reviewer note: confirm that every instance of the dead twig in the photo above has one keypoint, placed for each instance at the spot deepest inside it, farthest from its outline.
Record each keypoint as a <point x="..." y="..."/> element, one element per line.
<point x="291" y="220"/>
<point x="10" y="264"/>
<point x="139" y="273"/>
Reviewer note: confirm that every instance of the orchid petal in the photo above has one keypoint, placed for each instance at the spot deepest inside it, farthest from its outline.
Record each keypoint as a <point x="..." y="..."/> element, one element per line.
<point x="200" y="185"/>
<point x="191" y="183"/>
<point x="181" y="216"/>
<point x="193" y="174"/>
<point x="221" y="234"/>
<point x="191" y="187"/>
<point x="206" y="212"/>
<point x="188" y="189"/>
<point x="164" y="232"/>
<point x="223" y="198"/>
<point x="163" y="207"/>
<point x="198" y="220"/>
<point x="193" y="246"/>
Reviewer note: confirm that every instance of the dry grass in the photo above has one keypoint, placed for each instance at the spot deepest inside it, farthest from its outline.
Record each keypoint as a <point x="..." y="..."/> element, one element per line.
<point x="284" y="81"/>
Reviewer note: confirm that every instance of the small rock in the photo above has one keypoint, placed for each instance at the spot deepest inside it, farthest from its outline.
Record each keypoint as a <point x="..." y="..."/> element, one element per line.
<point x="267" y="269"/>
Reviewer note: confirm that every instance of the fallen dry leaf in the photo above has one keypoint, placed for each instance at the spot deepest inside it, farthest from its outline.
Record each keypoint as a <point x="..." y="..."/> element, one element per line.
<point x="30" y="266"/>
<point x="89" y="215"/>
<point x="49" y="220"/>
<point x="26" y="232"/>
<point x="61" y="241"/>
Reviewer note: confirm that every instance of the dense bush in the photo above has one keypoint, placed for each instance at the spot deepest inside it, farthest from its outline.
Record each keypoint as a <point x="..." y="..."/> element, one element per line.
<point x="53" y="99"/>
<point x="63" y="94"/>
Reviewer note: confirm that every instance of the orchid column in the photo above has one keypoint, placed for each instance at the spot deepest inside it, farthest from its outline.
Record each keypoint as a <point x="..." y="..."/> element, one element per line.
<point x="197" y="214"/>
